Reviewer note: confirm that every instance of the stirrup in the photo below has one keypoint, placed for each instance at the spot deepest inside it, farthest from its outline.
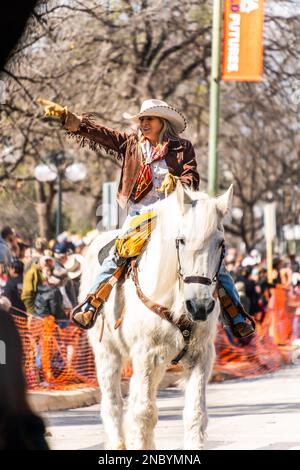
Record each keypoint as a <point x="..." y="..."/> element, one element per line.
<point x="94" y="316"/>
<point x="98" y="298"/>
<point x="229" y="310"/>
<point x="228" y="320"/>
<point x="249" y="330"/>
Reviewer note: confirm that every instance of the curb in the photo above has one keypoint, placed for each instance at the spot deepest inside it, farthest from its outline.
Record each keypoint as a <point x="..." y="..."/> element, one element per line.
<point x="56" y="400"/>
<point x="59" y="400"/>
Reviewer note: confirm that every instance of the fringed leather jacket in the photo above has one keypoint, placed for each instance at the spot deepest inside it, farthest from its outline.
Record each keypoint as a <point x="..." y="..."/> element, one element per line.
<point x="180" y="158"/>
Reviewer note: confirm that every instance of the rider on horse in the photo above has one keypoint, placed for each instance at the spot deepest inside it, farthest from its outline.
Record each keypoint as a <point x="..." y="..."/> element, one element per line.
<point x="154" y="159"/>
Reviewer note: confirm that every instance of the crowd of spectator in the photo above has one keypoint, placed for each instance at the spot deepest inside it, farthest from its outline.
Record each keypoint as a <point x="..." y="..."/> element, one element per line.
<point x="40" y="278"/>
<point x="251" y="278"/>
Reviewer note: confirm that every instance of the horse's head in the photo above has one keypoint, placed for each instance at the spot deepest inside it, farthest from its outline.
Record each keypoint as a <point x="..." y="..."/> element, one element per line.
<point x="200" y="248"/>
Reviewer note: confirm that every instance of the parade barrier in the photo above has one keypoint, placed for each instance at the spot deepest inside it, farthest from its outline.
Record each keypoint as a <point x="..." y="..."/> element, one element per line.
<point x="57" y="356"/>
<point x="270" y="348"/>
<point x="259" y="356"/>
<point x="280" y="319"/>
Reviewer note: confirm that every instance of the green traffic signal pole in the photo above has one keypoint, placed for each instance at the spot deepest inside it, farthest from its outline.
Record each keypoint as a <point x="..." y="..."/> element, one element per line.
<point x="214" y="99"/>
<point x="58" y="229"/>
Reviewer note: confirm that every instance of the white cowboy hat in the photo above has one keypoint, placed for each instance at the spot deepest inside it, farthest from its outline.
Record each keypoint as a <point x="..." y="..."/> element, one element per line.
<point x="74" y="265"/>
<point x="161" y="109"/>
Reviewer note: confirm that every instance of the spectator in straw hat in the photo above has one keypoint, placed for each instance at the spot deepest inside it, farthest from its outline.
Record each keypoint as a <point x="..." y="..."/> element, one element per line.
<point x="74" y="270"/>
<point x="40" y="245"/>
<point x="61" y="255"/>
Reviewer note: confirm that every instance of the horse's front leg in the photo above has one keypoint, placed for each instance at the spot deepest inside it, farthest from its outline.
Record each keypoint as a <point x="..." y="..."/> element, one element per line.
<point x="141" y="416"/>
<point x="195" y="412"/>
<point x="109" y="364"/>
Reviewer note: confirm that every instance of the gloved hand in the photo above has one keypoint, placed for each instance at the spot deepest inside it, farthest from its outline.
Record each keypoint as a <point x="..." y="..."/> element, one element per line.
<point x="168" y="184"/>
<point x="53" y="109"/>
<point x="70" y="121"/>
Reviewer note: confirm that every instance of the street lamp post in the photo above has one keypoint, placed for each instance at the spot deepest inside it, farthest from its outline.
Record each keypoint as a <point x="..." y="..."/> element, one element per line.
<point x="55" y="169"/>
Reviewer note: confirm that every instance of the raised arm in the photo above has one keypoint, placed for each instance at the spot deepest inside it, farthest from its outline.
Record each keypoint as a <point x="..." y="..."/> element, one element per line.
<point x="85" y="128"/>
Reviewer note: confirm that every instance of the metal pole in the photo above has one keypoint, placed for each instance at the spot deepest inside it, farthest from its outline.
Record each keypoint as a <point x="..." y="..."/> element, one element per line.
<point x="214" y="99"/>
<point x="59" y="204"/>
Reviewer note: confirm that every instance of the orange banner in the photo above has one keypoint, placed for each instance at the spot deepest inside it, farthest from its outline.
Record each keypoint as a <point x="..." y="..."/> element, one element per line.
<point x="243" y="40"/>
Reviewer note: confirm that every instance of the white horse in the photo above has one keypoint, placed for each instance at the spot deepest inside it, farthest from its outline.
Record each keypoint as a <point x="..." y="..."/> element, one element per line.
<point x="147" y="340"/>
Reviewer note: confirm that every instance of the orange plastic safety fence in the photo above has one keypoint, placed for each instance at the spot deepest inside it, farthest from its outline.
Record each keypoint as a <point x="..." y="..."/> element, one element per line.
<point x="257" y="357"/>
<point x="261" y="353"/>
<point x="55" y="357"/>
<point x="281" y="324"/>
<point x="60" y="356"/>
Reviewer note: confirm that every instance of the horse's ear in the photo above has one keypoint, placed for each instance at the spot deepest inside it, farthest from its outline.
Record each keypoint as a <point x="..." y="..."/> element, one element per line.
<point x="183" y="199"/>
<point x="224" y="202"/>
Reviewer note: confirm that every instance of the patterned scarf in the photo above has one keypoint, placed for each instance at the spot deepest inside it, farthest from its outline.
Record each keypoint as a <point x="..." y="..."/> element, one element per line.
<point x="144" y="180"/>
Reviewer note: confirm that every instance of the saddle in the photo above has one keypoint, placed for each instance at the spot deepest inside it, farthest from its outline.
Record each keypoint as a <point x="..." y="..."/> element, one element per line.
<point x="132" y="243"/>
<point x="128" y="246"/>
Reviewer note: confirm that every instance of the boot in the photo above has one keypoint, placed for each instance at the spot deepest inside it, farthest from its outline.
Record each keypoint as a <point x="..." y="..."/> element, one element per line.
<point x="86" y="317"/>
<point x="243" y="328"/>
<point x="238" y="320"/>
<point x="85" y="314"/>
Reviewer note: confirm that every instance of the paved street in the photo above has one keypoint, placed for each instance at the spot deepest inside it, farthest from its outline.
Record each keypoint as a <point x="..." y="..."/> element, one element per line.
<point x="261" y="413"/>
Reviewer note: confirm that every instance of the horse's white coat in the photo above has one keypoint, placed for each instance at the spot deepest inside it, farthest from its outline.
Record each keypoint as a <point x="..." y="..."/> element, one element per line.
<point x="147" y="340"/>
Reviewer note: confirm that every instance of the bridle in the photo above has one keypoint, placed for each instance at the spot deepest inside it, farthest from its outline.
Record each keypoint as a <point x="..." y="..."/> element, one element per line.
<point x="198" y="279"/>
<point x="183" y="323"/>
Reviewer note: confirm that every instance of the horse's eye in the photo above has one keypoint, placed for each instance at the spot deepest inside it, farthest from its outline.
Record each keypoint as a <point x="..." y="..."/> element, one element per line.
<point x="221" y="244"/>
<point x="181" y="240"/>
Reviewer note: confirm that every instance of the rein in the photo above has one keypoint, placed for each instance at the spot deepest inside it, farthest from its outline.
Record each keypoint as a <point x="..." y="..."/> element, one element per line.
<point x="184" y="324"/>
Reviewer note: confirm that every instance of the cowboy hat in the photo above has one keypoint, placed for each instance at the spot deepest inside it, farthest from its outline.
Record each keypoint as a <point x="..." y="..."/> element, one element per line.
<point x="161" y="109"/>
<point x="74" y="265"/>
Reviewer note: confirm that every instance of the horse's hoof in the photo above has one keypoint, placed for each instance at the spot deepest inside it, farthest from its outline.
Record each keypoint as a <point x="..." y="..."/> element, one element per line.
<point x="121" y="446"/>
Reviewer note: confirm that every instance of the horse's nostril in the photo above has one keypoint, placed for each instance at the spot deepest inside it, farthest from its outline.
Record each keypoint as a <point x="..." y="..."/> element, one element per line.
<point x="194" y="307"/>
<point x="200" y="310"/>
<point x="210" y="306"/>
<point x="190" y="306"/>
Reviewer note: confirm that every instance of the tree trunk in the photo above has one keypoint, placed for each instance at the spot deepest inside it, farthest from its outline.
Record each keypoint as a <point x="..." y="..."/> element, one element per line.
<point x="42" y="210"/>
